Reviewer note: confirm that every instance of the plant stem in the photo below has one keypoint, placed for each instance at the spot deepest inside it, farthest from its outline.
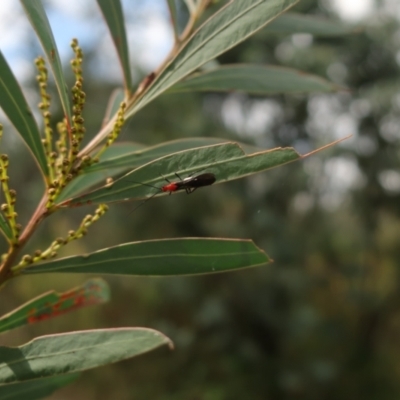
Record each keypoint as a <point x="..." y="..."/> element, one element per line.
<point x="40" y="213"/>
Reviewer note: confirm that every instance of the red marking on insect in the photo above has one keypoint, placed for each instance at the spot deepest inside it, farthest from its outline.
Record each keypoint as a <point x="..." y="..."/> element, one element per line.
<point x="189" y="185"/>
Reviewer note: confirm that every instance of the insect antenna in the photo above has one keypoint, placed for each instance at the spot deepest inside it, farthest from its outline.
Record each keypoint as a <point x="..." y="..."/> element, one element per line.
<point x="149" y="198"/>
<point x="143" y="202"/>
<point x="144" y="184"/>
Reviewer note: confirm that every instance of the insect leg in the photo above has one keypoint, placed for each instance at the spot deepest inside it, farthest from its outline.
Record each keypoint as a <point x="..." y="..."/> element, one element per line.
<point x="177" y="175"/>
<point x="165" y="178"/>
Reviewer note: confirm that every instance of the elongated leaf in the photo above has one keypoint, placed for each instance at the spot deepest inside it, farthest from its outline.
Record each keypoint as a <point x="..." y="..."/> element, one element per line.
<point x="300" y="23"/>
<point x="37" y="16"/>
<point x="226" y="161"/>
<point x="225" y="29"/>
<point x="52" y="304"/>
<point x="174" y="16"/>
<point x="182" y="15"/>
<point x="123" y="157"/>
<point x="35" y="389"/>
<point x="76" y="351"/>
<point x="117" y="96"/>
<point x="141" y="156"/>
<point x="5" y="228"/>
<point x="191" y="6"/>
<point x="86" y="181"/>
<point x="14" y="105"/>
<point x="113" y="15"/>
<point x="255" y="79"/>
<point x="186" y="256"/>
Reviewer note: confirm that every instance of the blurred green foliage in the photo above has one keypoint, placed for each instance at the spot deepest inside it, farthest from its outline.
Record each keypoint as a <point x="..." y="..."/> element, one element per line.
<point x="321" y="322"/>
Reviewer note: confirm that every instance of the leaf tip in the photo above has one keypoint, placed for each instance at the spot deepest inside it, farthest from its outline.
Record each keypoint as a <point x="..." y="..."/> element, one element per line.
<point x="326" y="146"/>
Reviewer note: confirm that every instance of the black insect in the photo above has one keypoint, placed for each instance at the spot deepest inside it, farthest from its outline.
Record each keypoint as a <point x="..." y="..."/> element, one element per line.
<point x="189" y="185"/>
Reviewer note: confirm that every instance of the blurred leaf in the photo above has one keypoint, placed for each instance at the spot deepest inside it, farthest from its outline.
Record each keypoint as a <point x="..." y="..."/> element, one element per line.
<point x="228" y="27"/>
<point x="255" y="79"/>
<point x="300" y="23"/>
<point x="185" y="256"/>
<point x="52" y="304"/>
<point x="14" y="105"/>
<point x="227" y="161"/>
<point x="182" y="15"/>
<point x="116" y="98"/>
<point x="174" y="16"/>
<point x="5" y="228"/>
<point x="191" y="6"/>
<point x="113" y="15"/>
<point x="35" y="389"/>
<point x="76" y="351"/>
<point x="37" y="16"/>
<point x="381" y="96"/>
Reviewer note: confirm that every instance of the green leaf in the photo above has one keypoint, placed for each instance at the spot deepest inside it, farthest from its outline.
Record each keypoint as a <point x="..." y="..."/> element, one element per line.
<point x="228" y="27"/>
<point x="5" y="228"/>
<point x="35" y="389"/>
<point x="76" y="351"/>
<point x="124" y="156"/>
<point x="37" y="16"/>
<point x="254" y="79"/>
<point x="53" y="304"/>
<point x="138" y="157"/>
<point x="185" y="256"/>
<point x="300" y="23"/>
<point x="14" y="105"/>
<point x="174" y="16"/>
<point x="226" y="161"/>
<point x="115" y="100"/>
<point x="113" y="15"/>
<point x="191" y="6"/>
<point x="182" y="16"/>
<point x="83" y="183"/>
